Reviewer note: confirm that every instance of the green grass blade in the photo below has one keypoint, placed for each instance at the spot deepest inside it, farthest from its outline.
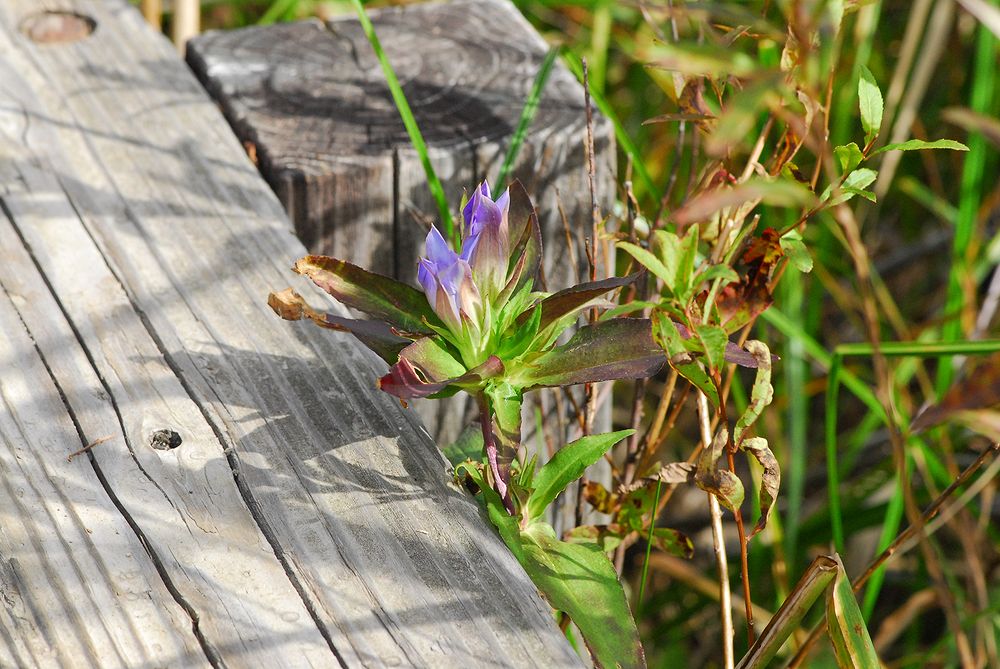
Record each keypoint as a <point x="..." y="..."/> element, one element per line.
<point x="527" y="114"/>
<point x="416" y="138"/>
<point x="852" y="645"/>
<point x="832" y="470"/>
<point x="649" y="543"/>
<point x="982" y="95"/>
<point x="624" y="140"/>
<point x="795" y="377"/>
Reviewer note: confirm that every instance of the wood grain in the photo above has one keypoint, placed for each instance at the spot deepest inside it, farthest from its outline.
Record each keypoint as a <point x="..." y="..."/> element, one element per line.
<point x="305" y="519"/>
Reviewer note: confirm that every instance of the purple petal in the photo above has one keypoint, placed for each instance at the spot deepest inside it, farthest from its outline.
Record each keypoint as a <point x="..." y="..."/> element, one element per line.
<point x="438" y="251"/>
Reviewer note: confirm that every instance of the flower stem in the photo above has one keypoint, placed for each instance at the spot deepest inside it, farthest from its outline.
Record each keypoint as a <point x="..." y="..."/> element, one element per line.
<point x="490" y="445"/>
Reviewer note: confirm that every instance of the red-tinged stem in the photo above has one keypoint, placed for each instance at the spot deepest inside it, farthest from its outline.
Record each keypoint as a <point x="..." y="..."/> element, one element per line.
<point x="490" y="444"/>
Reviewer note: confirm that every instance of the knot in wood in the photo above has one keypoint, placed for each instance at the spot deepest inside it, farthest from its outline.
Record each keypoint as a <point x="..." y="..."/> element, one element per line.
<point x="165" y="440"/>
<point x="57" y="27"/>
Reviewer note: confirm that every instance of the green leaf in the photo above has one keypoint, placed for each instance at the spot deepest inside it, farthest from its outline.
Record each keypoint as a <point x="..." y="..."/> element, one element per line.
<point x="713" y="340"/>
<point x="680" y="358"/>
<point x="579" y="580"/>
<point x="468" y="446"/>
<point x="560" y="310"/>
<point x="432" y="357"/>
<point x="566" y="466"/>
<point x="870" y="103"/>
<point x="513" y="346"/>
<point x="853" y="183"/>
<point x="919" y="145"/>
<point x="724" y="272"/>
<point x="762" y="392"/>
<point x="666" y="274"/>
<point x="796" y="252"/>
<point x="686" y="262"/>
<point x="393" y="301"/>
<point x="599" y="535"/>
<point x="621" y="348"/>
<point x="848" y="157"/>
<point x="852" y="645"/>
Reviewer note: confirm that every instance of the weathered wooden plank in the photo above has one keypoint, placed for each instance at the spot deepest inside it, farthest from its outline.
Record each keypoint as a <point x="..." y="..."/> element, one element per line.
<point x="393" y="564"/>
<point x="76" y="585"/>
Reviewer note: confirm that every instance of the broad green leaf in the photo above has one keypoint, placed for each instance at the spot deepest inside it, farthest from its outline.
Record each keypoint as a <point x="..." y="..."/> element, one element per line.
<point x="762" y="392"/>
<point x="735" y="126"/>
<point x="770" y="478"/>
<point x="919" y="145"/>
<point x="609" y="350"/>
<point x="393" y="301"/>
<point x="796" y="252"/>
<point x="599" y="535"/>
<point x="431" y="356"/>
<point x="579" y="580"/>
<point x="852" y="645"/>
<point x="680" y="358"/>
<point x="713" y="340"/>
<point x="468" y="446"/>
<point x="566" y="466"/>
<point x="848" y="156"/>
<point x="870" y="103"/>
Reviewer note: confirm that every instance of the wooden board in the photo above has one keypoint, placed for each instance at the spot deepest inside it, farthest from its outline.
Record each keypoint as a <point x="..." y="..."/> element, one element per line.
<point x="303" y="519"/>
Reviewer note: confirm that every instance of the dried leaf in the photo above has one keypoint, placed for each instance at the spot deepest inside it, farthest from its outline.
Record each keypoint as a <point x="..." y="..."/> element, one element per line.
<point x="762" y="392"/>
<point x="722" y="483"/>
<point x="770" y="479"/>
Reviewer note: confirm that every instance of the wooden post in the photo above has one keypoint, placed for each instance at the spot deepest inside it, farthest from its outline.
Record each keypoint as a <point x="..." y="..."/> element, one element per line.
<point x="310" y="103"/>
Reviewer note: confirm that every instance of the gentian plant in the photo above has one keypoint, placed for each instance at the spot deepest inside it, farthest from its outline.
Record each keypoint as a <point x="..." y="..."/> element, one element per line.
<point x="479" y="325"/>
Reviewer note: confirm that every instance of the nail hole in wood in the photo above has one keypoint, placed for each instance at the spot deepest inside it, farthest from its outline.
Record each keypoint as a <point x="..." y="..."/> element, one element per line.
<point x="165" y="440"/>
<point x="57" y="27"/>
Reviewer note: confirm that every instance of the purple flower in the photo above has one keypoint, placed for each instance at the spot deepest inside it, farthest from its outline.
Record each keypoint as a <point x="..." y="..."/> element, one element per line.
<point x="447" y="282"/>
<point x="486" y="246"/>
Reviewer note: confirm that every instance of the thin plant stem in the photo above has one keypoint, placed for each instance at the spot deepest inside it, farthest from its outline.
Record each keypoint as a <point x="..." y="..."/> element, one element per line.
<point x="649" y="543"/>
<point x="719" y="545"/>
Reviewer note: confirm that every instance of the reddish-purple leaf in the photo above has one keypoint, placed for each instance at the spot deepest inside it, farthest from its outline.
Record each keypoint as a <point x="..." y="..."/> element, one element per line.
<point x="622" y="348"/>
<point x="566" y="301"/>
<point x="526" y="256"/>
<point x="397" y="303"/>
